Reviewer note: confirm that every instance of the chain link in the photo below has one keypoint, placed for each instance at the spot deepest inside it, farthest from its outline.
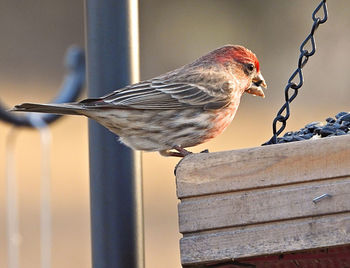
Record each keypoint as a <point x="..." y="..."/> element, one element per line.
<point x="295" y="82"/>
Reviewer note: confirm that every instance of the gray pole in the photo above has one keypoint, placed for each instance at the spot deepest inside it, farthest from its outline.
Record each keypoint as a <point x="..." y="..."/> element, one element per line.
<point x="115" y="171"/>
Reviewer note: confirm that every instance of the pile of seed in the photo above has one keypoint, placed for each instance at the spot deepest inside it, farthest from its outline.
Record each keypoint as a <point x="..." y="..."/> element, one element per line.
<point x="340" y="125"/>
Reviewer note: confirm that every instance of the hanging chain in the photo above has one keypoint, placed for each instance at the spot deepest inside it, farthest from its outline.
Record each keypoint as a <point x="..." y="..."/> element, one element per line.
<point x="303" y="59"/>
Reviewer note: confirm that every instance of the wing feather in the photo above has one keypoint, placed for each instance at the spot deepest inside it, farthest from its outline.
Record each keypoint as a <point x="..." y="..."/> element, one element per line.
<point x="160" y="94"/>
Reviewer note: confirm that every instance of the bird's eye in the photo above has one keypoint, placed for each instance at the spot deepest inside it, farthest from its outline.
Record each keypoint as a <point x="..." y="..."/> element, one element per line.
<point x="250" y="67"/>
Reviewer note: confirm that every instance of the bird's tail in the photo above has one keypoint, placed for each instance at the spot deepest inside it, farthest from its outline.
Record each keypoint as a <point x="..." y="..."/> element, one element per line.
<point x="64" y="108"/>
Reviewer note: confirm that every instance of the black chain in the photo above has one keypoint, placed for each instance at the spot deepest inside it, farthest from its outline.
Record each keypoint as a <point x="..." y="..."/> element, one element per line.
<point x="303" y="59"/>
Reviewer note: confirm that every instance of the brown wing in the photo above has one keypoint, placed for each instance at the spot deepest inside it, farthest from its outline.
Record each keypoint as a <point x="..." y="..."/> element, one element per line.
<point x="159" y="94"/>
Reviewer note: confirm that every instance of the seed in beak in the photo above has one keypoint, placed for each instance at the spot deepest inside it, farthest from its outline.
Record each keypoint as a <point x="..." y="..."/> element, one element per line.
<point x="258" y="83"/>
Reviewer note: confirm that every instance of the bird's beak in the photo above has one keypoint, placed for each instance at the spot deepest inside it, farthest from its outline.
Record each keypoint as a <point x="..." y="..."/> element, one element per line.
<point x="256" y="88"/>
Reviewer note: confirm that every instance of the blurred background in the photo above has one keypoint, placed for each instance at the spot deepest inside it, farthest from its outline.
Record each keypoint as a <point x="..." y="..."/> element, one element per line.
<point x="34" y="37"/>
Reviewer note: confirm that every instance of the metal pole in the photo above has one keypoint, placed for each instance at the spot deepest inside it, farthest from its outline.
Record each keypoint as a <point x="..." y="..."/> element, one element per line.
<point x="115" y="170"/>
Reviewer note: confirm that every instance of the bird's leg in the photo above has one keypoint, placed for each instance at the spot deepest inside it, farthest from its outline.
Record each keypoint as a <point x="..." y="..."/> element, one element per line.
<point x="170" y="153"/>
<point x="181" y="152"/>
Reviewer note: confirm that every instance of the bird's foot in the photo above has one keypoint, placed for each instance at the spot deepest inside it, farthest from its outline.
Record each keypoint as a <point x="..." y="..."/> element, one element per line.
<point x="181" y="152"/>
<point x="206" y="151"/>
<point x="170" y="153"/>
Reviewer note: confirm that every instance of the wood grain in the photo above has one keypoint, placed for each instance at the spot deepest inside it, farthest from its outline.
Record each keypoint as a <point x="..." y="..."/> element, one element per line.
<point x="258" y="201"/>
<point x="265" y="239"/>
<point x="201" y="174"/>
<point x="263" y="205"/>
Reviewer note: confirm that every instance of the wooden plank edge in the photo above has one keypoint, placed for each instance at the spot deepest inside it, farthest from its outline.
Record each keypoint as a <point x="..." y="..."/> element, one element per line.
<point x="263" y="205"/>
<point x="249" y="168"/>
<point x="266" y="239"/>
<point x="336" y="256"/>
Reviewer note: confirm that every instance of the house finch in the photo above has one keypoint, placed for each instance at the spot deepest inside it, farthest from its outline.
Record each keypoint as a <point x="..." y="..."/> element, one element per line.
<point x="179" y="109"/>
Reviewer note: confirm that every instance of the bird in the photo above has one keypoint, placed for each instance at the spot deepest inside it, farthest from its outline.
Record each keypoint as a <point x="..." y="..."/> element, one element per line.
<point x="181" y="108"/>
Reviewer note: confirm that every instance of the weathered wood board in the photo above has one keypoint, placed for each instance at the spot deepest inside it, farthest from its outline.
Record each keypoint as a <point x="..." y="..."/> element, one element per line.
<point x="264" y="239"/>
<point x="269" y="204"/>
<point x="259" y="201"/>
<point x="264" y="166"/>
